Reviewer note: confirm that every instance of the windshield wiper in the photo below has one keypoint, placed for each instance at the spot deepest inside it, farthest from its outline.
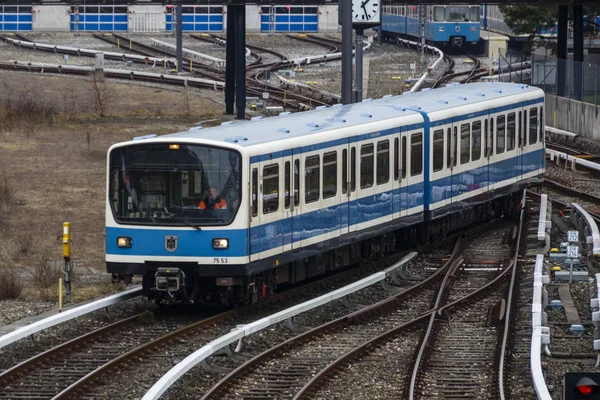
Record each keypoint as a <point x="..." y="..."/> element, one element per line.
<point x="185" y="221"/>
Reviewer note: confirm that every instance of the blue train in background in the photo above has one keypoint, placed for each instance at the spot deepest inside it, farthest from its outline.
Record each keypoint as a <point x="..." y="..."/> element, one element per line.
<point x="445" y="26"/>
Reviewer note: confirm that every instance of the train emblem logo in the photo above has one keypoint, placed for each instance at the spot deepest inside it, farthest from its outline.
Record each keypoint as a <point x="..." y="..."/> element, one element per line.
<point x="171" y="243"/>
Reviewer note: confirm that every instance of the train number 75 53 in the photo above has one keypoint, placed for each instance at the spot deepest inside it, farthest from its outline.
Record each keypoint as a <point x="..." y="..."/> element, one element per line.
<point x="220" y="260"/>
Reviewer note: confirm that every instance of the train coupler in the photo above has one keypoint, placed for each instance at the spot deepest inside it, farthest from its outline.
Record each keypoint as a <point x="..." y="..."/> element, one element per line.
<point x="169" y="279"/>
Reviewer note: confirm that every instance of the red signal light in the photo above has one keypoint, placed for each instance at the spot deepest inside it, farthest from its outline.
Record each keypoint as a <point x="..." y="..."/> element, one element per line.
<point x="585" y="390"/>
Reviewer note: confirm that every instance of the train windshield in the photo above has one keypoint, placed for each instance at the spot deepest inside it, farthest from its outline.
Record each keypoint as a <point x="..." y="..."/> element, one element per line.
<point x="456" y="14"/>
<point x="174" y="184"/>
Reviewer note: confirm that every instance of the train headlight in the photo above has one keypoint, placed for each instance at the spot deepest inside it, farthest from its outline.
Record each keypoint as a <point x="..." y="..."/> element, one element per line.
<point x="123" y="242"/>
<point x="220" y="243"/>
<point x="473" y="29"/>
<point x="441" y="29"/>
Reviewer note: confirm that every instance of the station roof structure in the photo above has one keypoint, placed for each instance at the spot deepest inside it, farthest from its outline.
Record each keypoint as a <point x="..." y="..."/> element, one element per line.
<point x="293" y="2"/>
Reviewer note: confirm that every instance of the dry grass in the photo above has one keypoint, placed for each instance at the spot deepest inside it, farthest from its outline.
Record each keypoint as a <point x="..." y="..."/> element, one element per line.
<point x="53" y="166"/>
<point x="11" y="284"/>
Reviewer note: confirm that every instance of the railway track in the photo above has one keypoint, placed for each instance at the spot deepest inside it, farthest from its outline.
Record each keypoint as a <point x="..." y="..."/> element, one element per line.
<point x="448" y="74"/>
<point x="303" y="366"/>
<point x="68" y="370"/>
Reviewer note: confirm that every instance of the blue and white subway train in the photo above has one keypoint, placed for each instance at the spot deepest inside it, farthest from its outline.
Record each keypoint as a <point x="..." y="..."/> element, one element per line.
<point x="445" y="26"/>
<point x="302" y="194"/>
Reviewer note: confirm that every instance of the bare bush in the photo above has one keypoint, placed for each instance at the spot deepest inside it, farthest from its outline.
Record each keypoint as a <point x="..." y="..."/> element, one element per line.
<point x="23" y="108"/>
<point x="102" y="93"/>
<point x="46" y="272"/>
<point x="7" y="193"/>
<point x="11" y="284"/>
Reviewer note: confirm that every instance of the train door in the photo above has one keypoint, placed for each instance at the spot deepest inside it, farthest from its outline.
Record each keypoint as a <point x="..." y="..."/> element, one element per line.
<point x="271" y="208"/>
<point x="452" y="136"/>
<point x="288" y="202"/>
<point x="521" y="142"/>
<point x="397" y="175"/>
<point x="352" y="194"/>
<point x="254" y="214"/>
<point x="412" y="190"/>
<point x="488" y="140"/>
<point x="403" y="175"/>
<point x="296" y="204"/>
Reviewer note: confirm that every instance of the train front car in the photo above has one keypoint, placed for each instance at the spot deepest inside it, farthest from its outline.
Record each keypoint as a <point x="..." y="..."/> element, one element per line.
<point x="175" y="216"/>
<point x="455" y="26"/>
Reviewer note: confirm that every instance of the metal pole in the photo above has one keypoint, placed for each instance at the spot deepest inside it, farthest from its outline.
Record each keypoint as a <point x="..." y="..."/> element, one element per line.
<point x="346" y="11"/>
<point x="179" y="37"/>
<point x="578" y="51"/>
<point x="422" y="33"/>
<point x="240" y="62"/>
<point x="230" y="61"/>
<point x="561" y="72"/>
<point x="359" y="64"/>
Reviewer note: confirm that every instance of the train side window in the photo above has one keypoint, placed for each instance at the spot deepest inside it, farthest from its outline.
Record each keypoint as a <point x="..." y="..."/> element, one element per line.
<point x="396" y="158"/>
<point x="476" y="141"/>
<point x="254" y="192"/>
<point x="312" y="177"/>
<point x="353" y="169"/>
<point x="367" y="160"/>
<point x="520" y="130"/>
<point x="541" y="124"/>
<point x="329" y="174"/>
<point x="416" y="154"/>
<point x="533" y="126"/>
<point x="492" y="136"/>
<point x="296" y="183"/>
<point x="500" y="134"/>
<point x="449" y="148"/>
<point x="465" y="143"/>
<point x="485" y="138"/>
<point x="383" y="162"/>
<point x="270" y="188"/>
<point x="525" y="130"/>
<point x="511" y="131"/>
<point x="455" y="147"/>
<point x="438" y="150"/>
<point x="287" y="183"/>
<point x="403" y="157"/>
<point x="344" y="171"/>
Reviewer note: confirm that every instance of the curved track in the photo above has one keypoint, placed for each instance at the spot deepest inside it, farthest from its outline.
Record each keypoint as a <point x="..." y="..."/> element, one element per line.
<point x="301" y="366"/>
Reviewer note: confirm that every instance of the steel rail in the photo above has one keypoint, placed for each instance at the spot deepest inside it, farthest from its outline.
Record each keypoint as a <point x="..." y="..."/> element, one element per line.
<point x="352" y="318"/>
<point x="103" y="369"/>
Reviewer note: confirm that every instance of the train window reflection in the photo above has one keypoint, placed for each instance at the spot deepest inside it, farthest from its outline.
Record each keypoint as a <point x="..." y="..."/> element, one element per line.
<point x="500" y="134"/>
<point x="312" y="179"/>
<point x="416" y="154"/>
<point x="438" y="150"/>
<point x="367" y="161"/>
<point x="329" y="174"/>
<point x="270" y="188"/>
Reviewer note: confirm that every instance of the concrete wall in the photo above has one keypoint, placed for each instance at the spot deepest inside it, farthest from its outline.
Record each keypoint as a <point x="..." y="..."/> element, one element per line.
<point x="51" y="18"/>
<point x="252" y="18"/>
<point x="573" y="116"/>
<point x="328" y="19"/>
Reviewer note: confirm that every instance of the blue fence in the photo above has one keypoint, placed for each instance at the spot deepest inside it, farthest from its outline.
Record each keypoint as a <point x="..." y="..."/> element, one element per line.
<point x="16" y="18"/>
<point x="289" y="19"/>
<point x="100" y="18"/>
<point x="199" y="19"/>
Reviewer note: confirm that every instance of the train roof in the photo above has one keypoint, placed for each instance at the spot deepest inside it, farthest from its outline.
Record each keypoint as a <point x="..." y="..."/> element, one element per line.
<point x="259" y="131"/>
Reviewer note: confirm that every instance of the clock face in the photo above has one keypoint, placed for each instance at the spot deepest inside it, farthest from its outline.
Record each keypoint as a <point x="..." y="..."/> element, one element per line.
<point x="365" y="10"/>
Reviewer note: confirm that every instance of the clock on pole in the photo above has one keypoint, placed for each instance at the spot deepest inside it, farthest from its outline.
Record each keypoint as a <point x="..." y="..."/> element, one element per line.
<point x="366" y="13"/>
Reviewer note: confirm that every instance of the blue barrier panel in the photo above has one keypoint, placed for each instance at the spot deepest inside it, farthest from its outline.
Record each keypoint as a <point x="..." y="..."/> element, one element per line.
<point x="198" y="19"/>
<point x="289" y="19"/>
